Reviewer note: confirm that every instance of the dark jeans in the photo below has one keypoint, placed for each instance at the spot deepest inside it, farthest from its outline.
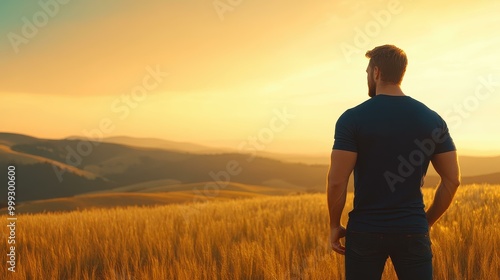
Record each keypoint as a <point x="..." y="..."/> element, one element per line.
<point x="366" y="254"/>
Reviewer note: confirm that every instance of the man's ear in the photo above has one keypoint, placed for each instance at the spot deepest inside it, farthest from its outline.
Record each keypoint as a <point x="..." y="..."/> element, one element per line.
<point x="376" y="73"/>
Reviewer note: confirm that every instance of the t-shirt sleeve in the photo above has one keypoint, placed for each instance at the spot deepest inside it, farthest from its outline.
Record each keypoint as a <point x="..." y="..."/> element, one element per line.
<point x="345" y="136"/>
<point x="442" y="137"/>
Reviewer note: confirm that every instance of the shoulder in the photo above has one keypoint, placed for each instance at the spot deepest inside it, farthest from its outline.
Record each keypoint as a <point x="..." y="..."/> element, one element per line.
<point x="426" y="109"/>
<point x="357" y="110"/>
<point x="348" y="116"/>
<point x="429" y="114"/>
<point x="420" y="104"/>
<point x="352" y="115"/>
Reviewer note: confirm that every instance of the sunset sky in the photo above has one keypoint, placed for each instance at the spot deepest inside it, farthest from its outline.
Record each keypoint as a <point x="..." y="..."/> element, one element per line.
<point x="223" y="70"/>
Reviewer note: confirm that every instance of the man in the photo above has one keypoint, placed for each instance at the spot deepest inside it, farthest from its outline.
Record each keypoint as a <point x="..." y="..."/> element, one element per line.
<point x="389" y="141"/>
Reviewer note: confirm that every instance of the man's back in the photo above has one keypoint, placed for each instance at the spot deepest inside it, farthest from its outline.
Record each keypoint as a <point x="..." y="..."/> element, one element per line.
<point x="388" y="142"/>
<point x="394" y="139"/>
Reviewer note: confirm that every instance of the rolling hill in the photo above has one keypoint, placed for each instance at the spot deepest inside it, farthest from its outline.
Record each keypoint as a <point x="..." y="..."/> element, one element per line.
<point x="200" y="149"/>
<point x="158" y="144"/>
<point x="107" y="166"/>
<point x="150" y="197"/>
<point x="471" y="165"/>
<point x="70" y="168"/>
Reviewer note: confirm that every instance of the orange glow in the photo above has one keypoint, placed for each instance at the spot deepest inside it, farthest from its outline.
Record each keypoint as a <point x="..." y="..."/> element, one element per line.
<point x="228" y="75"/>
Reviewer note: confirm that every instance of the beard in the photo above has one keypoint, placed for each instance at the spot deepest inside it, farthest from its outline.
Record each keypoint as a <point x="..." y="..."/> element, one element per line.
<point x="372" y="89"/>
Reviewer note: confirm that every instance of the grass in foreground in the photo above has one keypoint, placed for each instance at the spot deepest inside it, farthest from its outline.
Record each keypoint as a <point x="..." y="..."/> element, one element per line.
<point x="263" y="238"/>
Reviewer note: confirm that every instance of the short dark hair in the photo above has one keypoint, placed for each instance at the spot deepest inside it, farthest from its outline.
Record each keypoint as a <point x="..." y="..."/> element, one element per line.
<point x="391" y="61"/>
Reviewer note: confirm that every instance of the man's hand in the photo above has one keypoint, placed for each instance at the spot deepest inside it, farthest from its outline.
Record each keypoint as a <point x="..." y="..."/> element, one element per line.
<point x="335" y="234"/>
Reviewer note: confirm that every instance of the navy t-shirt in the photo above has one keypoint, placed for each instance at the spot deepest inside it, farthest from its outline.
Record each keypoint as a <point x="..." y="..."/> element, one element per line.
<point x="394" y="138"/>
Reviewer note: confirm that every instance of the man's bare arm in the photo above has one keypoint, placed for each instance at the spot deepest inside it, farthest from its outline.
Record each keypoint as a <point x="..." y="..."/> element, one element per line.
<point x="341" y="165"/>
<point x="446" y="165"/>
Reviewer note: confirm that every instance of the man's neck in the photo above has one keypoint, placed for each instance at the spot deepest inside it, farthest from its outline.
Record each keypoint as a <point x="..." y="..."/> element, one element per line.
<point x="389" y="89"/>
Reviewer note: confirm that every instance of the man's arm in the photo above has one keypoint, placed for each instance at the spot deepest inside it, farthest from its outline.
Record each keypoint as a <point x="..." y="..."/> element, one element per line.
<point x="446" y="165"/>
<point x="341" y="165"/>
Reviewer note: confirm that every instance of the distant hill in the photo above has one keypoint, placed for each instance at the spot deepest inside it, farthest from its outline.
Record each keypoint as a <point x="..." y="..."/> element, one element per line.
<point x="159" y="144"/>
<point x="200" y="149"/>
<point x="471" y="166"/>
<point x="179" y="194"/>
<point x="109" y="168"/>
<point x="493" y="179"/>
<point x="128" y="165"/>
<point x="475" y="166"/>
<point x="9" y="139"/>
<point x="38" y="181"/>
<point x="7" y="155"/>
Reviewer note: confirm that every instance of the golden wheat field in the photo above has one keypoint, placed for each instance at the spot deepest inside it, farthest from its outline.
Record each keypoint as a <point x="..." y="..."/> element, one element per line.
<point x="282" y="237"/>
